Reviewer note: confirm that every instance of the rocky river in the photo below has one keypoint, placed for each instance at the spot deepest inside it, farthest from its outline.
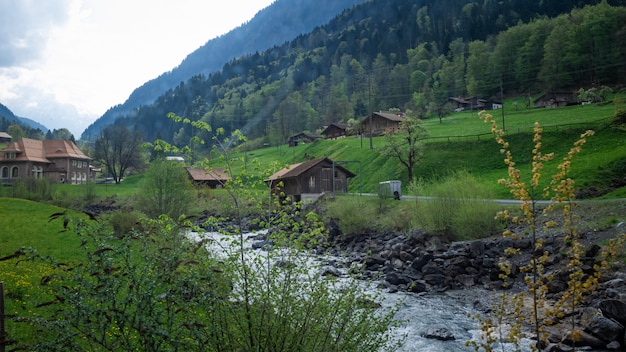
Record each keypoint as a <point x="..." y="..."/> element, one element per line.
<point x="441" y="284"/>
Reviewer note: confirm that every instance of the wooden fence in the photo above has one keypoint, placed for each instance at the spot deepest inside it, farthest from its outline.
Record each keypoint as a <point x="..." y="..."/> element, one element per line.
<point x="477" y="137"/>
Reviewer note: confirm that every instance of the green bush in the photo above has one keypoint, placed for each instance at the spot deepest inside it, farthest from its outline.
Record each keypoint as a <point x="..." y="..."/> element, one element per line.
<point x="124" y="222"/>
<point x="460" y="207"/>
<point x="619" y="119"/>
<point x="165" y="190"/>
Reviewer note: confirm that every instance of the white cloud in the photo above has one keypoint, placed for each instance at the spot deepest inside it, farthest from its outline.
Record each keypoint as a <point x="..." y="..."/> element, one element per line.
<point x="65" y="62"/>
<point x="24" y="25"/>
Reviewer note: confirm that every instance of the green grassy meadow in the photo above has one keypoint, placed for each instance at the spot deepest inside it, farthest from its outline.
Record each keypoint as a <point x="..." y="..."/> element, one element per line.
<point x="463" y="141"/>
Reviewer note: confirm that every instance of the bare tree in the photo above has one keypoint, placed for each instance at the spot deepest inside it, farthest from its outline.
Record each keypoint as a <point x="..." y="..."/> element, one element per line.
<point x="118" y="148"/>
<point x="405" y="144"/>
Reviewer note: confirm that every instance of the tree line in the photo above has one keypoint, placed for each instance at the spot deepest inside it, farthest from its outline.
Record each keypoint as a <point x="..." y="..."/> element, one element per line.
<point x="398" y="54"/>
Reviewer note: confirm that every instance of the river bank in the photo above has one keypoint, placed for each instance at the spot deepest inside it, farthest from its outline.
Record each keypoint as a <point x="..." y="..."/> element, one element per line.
<point x="421" y="264"/>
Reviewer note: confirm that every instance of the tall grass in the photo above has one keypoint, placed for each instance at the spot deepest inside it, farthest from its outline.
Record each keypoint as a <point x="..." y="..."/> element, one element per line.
<point x="460" y="208"/>
<point x="358" y="215"/>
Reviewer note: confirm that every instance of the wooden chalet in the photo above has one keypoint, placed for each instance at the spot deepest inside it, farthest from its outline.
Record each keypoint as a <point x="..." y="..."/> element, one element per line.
<point x="555" y="100"/>
<point x="335" y="130"/>
<point x="303" y="137"/>
<point x="381" y="122"/>
<point x="57" y="160"/>
<point x="473" y="103"/>
<point x="309" y="180"/>
<point x="213" y="178"/>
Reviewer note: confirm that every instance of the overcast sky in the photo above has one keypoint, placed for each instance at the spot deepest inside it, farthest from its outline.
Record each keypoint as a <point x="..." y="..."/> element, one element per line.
<point x="63" y="63"/>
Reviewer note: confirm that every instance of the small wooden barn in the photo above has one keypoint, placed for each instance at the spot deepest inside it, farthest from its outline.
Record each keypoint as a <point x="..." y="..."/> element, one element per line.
<point x="303" y="137"/>
<point x="555" y="100"/>
<point x="381" y="122"/>
<point x="335" y="130"/>
<point x="214" y="178"/>
<point x="310" y="179"/>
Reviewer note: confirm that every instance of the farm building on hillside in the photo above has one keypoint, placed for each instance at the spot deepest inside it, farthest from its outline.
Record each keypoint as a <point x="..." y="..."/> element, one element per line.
<point x="555" y="100"/>
<point x="473" y="103"/>
<point x="57" y="160"/>
<point x="381" y="122"/>
<point x="303" y="137"/>
<point x="310" y="179"/>
<point x="335" y="130"/>
<point x="213" y="178"/>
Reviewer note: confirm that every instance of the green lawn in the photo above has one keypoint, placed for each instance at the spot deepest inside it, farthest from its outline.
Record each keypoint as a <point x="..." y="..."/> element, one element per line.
<point x="26" y="224"/>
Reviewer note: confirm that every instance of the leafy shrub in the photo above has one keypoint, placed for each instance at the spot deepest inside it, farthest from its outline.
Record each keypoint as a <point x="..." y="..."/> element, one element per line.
<point x="124" y="222"/>
<point x="165" y="190"/>
<point x="619" y="119"/>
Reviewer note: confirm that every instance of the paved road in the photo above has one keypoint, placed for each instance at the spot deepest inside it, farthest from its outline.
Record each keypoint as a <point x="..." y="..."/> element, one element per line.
<point x="500" y="201"/>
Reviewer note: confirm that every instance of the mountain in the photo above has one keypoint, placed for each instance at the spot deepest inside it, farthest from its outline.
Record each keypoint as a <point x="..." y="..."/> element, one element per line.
<point x="10" y="117"/>
<point x="282" y="21"/>
<point x="412" y="55"/>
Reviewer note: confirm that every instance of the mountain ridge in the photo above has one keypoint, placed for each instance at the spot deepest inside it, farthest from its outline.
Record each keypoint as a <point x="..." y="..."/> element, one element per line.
<point x="260" y="33"/>
<point x="23" y="121"/>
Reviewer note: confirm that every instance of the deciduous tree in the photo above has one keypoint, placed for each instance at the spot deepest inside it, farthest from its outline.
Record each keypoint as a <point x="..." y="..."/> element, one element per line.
<point x="405" y="144"/>
<point x="118" y="148"/>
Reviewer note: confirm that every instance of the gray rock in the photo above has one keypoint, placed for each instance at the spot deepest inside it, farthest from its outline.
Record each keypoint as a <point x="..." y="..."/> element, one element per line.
<point x="439" y="334"/>
<point x="419" y="263"/>
<point x="614" y="309"/>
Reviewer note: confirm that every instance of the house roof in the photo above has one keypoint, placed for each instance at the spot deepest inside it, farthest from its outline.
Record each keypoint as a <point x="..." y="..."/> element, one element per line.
<point x="202" y="174"/>
<point x="295" y="170"/>
<point x="341" y="126"/>
<point x="307" y="135"/>
<point x="5" y="135"/>
<point x="27" y="149"/>
<point x="386" y="115"/>
<point x="561" y="96"/>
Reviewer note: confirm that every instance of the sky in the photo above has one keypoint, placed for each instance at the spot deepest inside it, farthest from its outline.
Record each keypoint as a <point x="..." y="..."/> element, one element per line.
<point x="63" y="63"/>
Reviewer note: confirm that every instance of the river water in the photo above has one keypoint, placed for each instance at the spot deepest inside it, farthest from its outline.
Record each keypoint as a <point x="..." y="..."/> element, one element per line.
<point x="418" y="312"/>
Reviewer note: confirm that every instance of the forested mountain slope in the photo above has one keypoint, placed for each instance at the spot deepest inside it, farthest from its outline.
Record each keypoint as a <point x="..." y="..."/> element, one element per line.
<point x="282" y="21"/>
<point x="30" y="127"/>
<point x="399" y="53"/>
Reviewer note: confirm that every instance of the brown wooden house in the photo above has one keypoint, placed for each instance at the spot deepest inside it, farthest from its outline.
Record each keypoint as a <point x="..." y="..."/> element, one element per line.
<point x="555" y="100"/>
<point x="335" y="130"/>
<point x="303" y="137"/>
<point x="381" y="122"/>
<point x="213" y="178"/>
<point x="56" y="160"/>
<point x="310" y="179"/>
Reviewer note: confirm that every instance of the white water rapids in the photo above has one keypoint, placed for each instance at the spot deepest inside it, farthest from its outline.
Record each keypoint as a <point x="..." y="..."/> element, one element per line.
<point x="419" y="312"/>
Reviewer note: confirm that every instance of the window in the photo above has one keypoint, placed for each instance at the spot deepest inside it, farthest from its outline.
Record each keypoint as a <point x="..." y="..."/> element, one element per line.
<point x="312" y="182"/>
<point x="5" y="172"/>
<point x="37" y="171"/>
<point x="10" y="155"/>
<point x="15" y="172"/>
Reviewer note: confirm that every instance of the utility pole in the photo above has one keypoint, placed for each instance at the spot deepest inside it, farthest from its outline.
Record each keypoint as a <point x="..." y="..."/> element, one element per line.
<point x="502" y="101"/>
<point x="371" y="112"/>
